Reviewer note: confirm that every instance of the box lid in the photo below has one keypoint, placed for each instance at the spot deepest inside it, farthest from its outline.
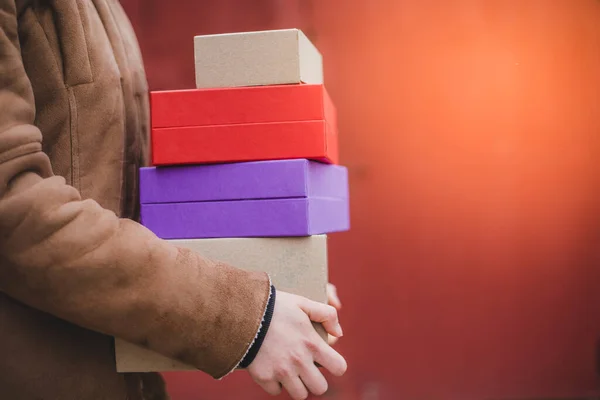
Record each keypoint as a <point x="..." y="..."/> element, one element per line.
<point x="272" y="57"/>
<point x="245" y="105"/>
<point x="242" y="181"/>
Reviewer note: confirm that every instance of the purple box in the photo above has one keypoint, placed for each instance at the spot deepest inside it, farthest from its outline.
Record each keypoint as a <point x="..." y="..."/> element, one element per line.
<point x="247" y="218"/>
<point x="246" y="180"/>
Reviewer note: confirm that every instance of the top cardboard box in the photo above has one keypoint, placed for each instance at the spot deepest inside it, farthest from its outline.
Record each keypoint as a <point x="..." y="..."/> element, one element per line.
<point x="260" y="58"/>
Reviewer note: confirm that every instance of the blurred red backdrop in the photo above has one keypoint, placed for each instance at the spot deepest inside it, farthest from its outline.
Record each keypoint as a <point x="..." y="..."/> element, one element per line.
<point x="471" y="130"/>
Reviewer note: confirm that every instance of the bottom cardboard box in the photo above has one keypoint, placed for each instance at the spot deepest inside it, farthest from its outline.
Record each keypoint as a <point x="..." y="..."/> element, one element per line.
<point x="296" y="265"/>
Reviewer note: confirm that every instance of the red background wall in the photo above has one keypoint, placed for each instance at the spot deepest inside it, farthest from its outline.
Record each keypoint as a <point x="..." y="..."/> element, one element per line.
<point x="471" y="130"/>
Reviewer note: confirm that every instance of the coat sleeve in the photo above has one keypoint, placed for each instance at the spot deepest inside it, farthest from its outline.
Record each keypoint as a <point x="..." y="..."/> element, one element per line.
<point x="73" y="259"/>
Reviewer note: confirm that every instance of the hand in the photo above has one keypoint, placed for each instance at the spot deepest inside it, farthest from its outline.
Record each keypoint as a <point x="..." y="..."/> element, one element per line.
<point x="333" y="300"/>
<point x="292" y="346"/>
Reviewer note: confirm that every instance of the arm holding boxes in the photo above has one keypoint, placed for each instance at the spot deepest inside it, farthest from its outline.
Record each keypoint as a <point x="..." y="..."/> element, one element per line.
<point x="73" y="259"/>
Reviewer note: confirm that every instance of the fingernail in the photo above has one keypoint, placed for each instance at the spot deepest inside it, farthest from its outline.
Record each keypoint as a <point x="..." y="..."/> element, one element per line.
<point x="339" y="328"/>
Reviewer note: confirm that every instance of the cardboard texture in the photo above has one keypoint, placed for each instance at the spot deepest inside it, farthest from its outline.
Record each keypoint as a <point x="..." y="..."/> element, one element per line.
<point x="296" y="265"/>
<point x="179" y="108"/>
<point x="239" y="181"/>
<point x="314" y="140"/>
<point x="273" y="57"/>
<point x="247" y="218"/>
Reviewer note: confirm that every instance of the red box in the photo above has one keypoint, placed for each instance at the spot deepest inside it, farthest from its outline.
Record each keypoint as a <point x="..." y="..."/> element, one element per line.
<point x="313" y="140"/>
<point x="242" y="105"/>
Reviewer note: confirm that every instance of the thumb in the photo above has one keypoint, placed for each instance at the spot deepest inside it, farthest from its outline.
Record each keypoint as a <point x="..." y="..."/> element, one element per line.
<point x="324" y="314"/>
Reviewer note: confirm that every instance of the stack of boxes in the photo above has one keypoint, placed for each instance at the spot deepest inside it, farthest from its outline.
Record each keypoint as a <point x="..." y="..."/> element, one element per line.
<point x="245" y="166"/>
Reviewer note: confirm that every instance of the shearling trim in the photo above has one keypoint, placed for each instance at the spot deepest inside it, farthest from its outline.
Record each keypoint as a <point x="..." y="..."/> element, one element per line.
<point x="257" y="332"/>
<point x="262" y="332"/>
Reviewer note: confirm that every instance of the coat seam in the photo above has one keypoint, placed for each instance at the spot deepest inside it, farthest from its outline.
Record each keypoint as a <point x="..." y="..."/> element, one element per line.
<point x="75" y="172"/>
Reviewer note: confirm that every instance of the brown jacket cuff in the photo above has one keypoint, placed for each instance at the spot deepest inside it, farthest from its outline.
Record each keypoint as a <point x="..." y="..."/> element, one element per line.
<point x="232" y="305"/>
<point x="262" y="331"/>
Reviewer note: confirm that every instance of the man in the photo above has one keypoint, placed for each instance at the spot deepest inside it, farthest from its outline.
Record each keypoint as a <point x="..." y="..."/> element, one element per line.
<point x="75" y="269"/>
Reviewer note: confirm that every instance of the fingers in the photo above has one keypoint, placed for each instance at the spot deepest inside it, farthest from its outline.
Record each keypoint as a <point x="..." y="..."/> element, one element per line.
<point x="331" y="340"/>
<point x="333" y="297"/>
<point x="295" y="387"/>
<point x="324" y="314"/>
<point x="334" y="301"/>
<point x="314" y="380"/>
<point x="330" y="359"/>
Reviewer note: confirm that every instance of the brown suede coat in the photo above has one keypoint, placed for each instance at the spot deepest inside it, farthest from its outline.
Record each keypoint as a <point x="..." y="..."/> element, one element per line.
<point x="75" y="269"/>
